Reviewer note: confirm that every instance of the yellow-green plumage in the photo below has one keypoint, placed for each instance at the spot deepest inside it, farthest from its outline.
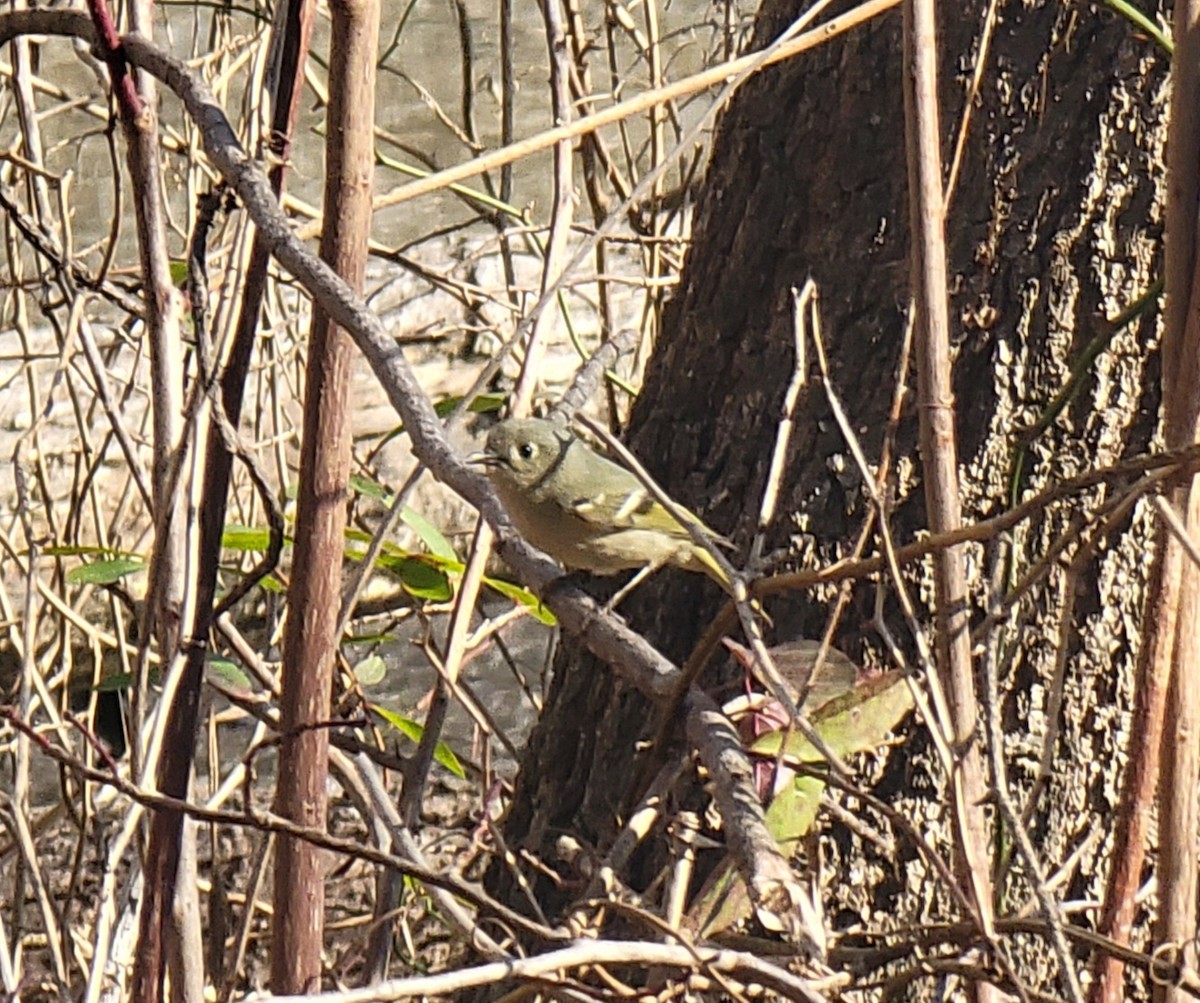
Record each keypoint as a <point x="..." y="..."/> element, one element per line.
<point x="581" y="508"/>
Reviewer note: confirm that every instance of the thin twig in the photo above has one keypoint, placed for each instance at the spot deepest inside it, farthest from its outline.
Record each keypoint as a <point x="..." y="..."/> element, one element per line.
<point x="939" y="452"/>
<point x="548" y="968"/>
<point x="804" y="303"/>
<point x="269" y="822"/>
<point x="1017" y="828"/>
<point x="731" y="74"/>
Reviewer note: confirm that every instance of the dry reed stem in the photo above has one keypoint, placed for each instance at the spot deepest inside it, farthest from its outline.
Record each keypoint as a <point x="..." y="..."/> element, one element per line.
<point x="939" y="454"/>
<point x="1167" y="706"/>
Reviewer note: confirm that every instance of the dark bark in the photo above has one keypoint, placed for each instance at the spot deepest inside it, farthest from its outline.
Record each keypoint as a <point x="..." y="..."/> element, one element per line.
<point x="1054" y="224"/>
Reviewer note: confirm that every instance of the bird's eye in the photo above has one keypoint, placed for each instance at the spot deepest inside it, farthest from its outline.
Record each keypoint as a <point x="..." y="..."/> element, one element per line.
<point x="525" y="450"/>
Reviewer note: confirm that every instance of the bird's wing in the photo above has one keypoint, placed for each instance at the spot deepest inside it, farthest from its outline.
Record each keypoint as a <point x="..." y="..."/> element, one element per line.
<point x="635" y="508"/>
<point x="616" y="499"/>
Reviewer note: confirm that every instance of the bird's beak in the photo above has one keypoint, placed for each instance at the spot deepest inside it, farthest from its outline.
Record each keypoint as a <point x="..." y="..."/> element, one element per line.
<point x="483" y="459"/>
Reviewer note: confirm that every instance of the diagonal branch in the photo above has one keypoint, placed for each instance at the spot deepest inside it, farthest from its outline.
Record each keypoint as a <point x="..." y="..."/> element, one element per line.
<point x="629" y="654"/>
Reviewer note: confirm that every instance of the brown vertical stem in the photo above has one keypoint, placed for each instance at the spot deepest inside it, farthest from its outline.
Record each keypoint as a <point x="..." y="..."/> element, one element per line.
<point x="1138" y="783"/>
<point x="939" y="454"/>
<point x="138" y="115"/>
<point x="166" y="589"/>
<point x="1166" y="721"/>
<point x="310" y="641"/>
<point x="1181" y="409"/>
<point x="137" y="112"/>
<point x="162" y="857"/>
<point x="1181" y="759"/>
<point x="163" y="312"/>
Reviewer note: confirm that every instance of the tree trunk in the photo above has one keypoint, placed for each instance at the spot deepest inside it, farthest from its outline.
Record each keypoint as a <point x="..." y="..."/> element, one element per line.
<point x="1054" y="225"/>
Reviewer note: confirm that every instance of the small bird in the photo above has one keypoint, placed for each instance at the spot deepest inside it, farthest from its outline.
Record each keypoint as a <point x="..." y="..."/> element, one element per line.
<point x="582" y="509"/>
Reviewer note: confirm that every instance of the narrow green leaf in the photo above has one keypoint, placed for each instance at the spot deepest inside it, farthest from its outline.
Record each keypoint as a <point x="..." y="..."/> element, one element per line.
<point x="407" y="727"/>
<point x="116" y="682"/>
<point x="480" y="404"/>
<point x="523" y="597"/>
<point x="413" y="731"/>
<point x="253" y="538"/>
<point x="104" y="572"/>
<point x="426" y="531"/>
<point x="354" y="535"/>
<point x="229" y="674"/>
<point x="375" y="637"/>
<point x="81" y="550"/>
<point x="1142" y="21"/>
<point x="428" y="534"/>
<point x="369" y="488"/>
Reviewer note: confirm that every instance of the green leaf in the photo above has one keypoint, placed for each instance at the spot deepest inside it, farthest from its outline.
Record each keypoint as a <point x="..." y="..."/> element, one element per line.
<point x="370" y="670"/>
<point x="858" y="721"/>
<point x="81" y="550"/>
<point x="793" y="812"/>
<point x="413" y="730"/>
<point x="523" y="597"/>
<point x="1139" y="20"/>
<point x="423" y="580"/>
<point x="369" y="488"/>
<point x="117" y="682"/>
<point x="426" y="531"/>
<point x="854" y="722"/>
<point x="372" y="637"/>
<point x="358" y="536"/>
<point x="428" y="534"/>
<point x="480" y="404"/>
<point x="255" y="538"/>
<point x="229" y="674"/>
<point x="838" y="674"/>
<point x="105" y="572"/>
<point x="723" y="902"/>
